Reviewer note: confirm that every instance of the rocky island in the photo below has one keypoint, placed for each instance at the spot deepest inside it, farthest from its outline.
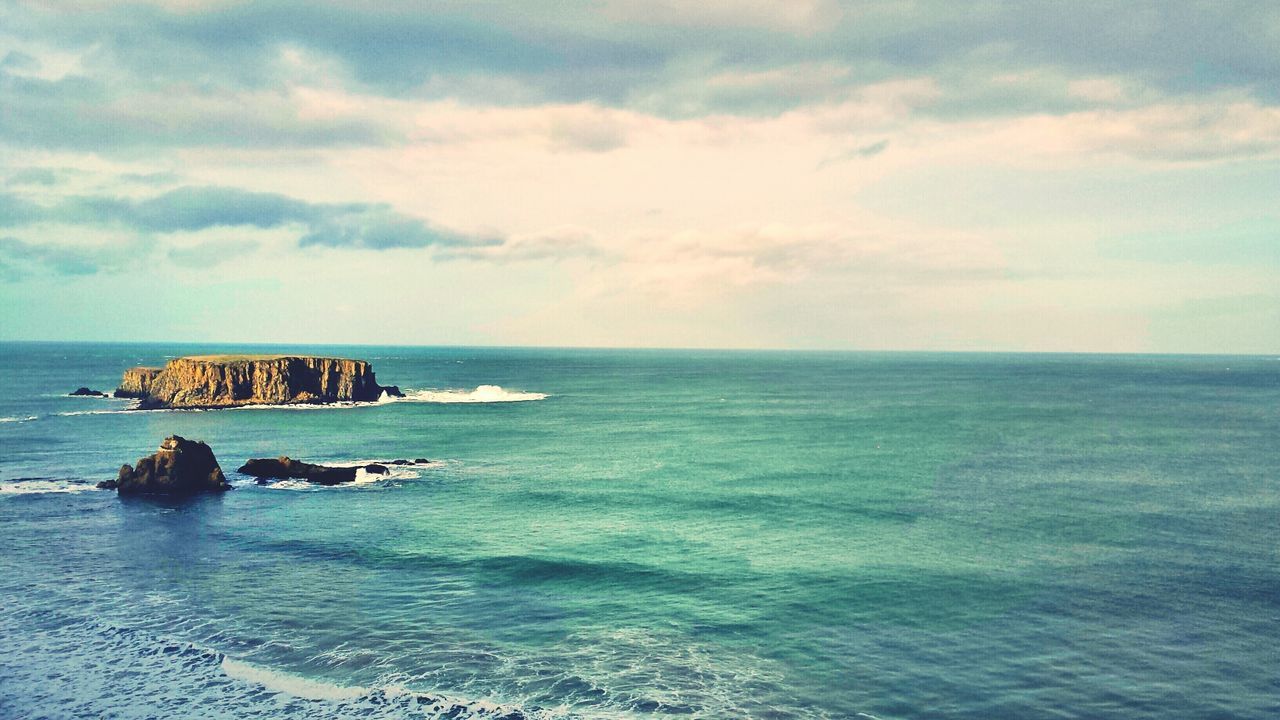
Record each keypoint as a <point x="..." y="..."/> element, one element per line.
<point x="223" y="381"/>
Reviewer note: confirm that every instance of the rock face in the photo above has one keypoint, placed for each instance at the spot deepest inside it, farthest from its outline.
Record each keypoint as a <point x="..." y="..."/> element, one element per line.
<point x="179" y="467"/>
<point x="136" y="382"/>
<point x="219" y="381"/>
<point x="284" y="468"/>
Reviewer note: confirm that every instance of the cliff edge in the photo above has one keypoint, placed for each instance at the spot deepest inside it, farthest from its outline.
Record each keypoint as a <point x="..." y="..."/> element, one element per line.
<point x="221" y="381"/>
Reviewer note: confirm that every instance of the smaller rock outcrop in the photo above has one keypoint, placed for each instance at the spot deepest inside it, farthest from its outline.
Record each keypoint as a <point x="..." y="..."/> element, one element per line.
<point x="86" y="392"/>
<point x="179" y="467"/>
<point x="285" y="468"/>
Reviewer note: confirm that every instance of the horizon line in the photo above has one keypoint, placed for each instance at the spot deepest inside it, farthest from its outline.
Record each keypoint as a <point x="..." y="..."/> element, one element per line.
<point x="676" y="348"/>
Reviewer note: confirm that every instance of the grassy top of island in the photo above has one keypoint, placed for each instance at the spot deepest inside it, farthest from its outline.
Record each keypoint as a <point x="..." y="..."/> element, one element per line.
<point x="248" y="358"/>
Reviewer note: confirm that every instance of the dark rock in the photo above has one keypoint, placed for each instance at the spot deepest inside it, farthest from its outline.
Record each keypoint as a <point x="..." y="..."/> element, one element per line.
<point x="399" y="462"/>
<point x="283" y="468"/>
<point x="322" y="475"/>
<point x="392" y="390"/>
<point x="376" y="469"/>
<point x="179" y="467"/>
<point x="267" y="468"/>
<point x="86" y="392"/>
<point x="421" y="461"/>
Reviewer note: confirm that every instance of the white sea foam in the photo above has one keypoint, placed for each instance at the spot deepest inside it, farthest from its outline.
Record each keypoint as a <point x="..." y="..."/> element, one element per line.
<point x="129" y="407"/>
<point x="321" y="406"/>
<point x="133" y="408"/>
<point x="28" y="418"/>
<point x="482" y="394"/>
<point x="81" y="655"/>
<point x="372" y="701"/>
<point x="44" y="485"/>
<point x="288" y="684"/>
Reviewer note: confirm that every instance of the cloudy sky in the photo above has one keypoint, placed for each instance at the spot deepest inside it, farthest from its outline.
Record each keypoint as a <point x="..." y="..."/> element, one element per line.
<point x="1094" y="176"/>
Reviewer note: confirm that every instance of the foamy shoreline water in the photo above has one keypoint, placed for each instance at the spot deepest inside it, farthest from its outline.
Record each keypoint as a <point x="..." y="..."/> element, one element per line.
<point x="481" y="394"/>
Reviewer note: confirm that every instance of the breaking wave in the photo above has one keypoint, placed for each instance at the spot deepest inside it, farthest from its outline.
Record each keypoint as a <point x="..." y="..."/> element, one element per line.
<point x="482" y="394"/>
<point x="29" y="418"/>
<point x="294" y="685"/>
<point x="392" y="701"/>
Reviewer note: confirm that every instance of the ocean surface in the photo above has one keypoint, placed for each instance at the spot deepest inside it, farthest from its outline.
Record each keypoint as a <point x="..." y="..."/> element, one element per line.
<point x="658" y="534"/>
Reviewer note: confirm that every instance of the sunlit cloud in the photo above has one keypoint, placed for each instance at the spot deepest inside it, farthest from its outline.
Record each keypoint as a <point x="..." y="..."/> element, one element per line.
<point x="682" y="170"/>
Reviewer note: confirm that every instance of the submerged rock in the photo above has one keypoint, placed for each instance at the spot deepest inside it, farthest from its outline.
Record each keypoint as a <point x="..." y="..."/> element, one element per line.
<point x="86" y="392"/>
<point x="179" y="467"/>
<point x="284" y="468"/>
<point x="220" y="381"/>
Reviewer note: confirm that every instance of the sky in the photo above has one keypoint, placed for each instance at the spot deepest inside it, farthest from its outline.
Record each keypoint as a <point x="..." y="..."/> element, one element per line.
<point x="896" y="175"/>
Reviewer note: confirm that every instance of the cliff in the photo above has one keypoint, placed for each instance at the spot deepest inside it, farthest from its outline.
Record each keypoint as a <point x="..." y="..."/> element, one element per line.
<point x="136" y="382"/>
<point x="219" y="381"/>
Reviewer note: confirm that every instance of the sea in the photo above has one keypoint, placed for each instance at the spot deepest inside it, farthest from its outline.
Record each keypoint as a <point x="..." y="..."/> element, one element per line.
<point x="656" y="534"/>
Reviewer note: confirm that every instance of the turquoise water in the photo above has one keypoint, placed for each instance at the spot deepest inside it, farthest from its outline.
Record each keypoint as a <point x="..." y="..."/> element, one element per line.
<point x="666" y="534"/>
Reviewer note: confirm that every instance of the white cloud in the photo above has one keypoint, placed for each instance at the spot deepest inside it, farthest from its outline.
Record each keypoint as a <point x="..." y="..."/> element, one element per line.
<point x="1101" y="90"/>
<point x="799" y="16"/>
<point x="1167" y="131"/>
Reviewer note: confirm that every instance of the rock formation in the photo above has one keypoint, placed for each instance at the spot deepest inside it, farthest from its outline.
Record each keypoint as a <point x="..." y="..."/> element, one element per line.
<point x="179" y="467"/>
<point x="220" y="381"/>
<point x="136" y="382"/>
<point x="284" y="468"/>
<point x="86" y="392"/>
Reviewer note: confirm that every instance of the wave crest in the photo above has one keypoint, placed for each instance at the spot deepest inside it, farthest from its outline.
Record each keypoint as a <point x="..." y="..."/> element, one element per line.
<point x="481" y="394"/>
<point x="287" y="683"/>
